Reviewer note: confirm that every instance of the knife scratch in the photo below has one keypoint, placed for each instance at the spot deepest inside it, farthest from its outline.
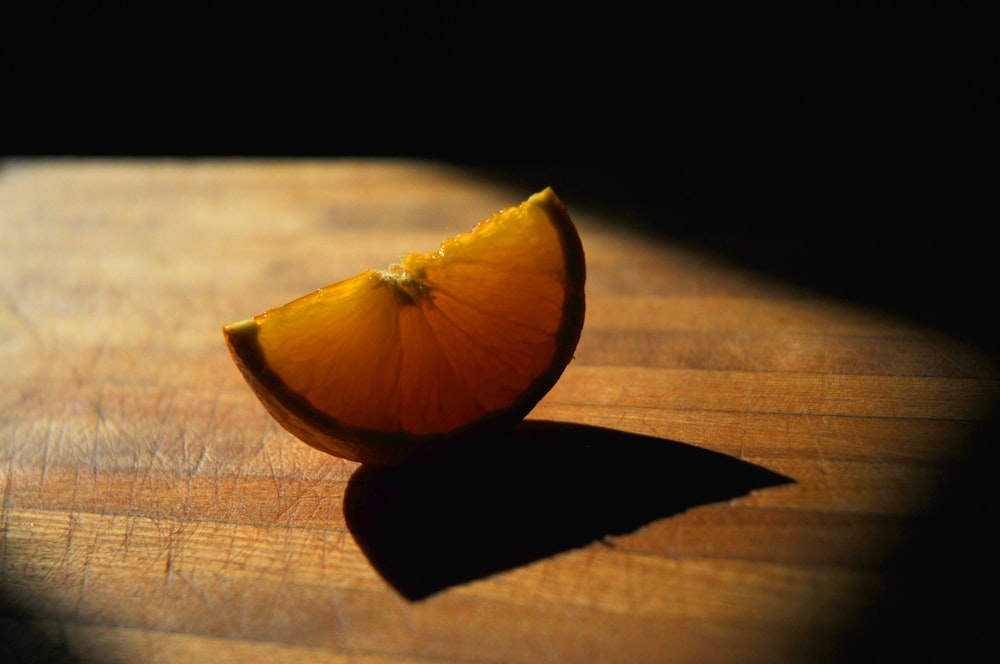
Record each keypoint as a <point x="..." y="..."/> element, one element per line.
<point x="168" y="571"/>
<point x="46" y="440"/>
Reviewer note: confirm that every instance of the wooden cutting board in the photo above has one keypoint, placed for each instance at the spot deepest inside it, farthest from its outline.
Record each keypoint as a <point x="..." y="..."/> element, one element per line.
<point x="732" y="469"/>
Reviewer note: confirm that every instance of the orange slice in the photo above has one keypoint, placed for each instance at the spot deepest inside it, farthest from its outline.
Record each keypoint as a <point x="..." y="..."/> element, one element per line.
<point x="394" y="364"/>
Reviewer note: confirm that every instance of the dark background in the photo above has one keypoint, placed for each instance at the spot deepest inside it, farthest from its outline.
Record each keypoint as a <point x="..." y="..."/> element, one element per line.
<point x="843" y="147"/>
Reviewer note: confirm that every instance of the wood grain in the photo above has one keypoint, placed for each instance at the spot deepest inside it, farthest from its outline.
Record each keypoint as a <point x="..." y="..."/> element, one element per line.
<point x="757" y="473"/>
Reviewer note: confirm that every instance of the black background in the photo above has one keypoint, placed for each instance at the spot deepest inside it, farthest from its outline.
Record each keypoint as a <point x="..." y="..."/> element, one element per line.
<point x="742" y="95"/>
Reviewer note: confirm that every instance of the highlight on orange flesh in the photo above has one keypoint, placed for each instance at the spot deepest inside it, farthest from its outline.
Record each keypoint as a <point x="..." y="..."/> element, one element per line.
<point x="395" y="364"/>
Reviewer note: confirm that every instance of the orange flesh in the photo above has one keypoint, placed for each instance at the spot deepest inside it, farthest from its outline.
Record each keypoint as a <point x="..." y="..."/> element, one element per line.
<point x="436" y="341"/>
<point x="381" y="363"/>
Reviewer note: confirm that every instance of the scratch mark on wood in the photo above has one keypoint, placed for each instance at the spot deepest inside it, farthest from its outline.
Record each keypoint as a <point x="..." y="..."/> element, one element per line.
<point x="62" y="564"/>
<point x="85" y="572"/>
<point x="29" y="325"/>
<point x="194" y="588"/>
<point x="95" y="464"/>
<point x="201" y="460"/>
<point x="746" y="423"/>
<point x="134" y="486"/>
<point x="230" y="549"/>
<point x="168" y="570"/>
<point x="632" y="593"/>
<point x="816" y="443"/>
<point x="46" y="440"/>
<point x="4" y="523"/>
<point x="338" y="615"/>
<point x="213" y="409"/>
<point x="274" y="472"/>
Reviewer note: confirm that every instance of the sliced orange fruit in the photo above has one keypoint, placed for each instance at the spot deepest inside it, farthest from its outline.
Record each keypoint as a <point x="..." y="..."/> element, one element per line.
<point x="394" y="364"/>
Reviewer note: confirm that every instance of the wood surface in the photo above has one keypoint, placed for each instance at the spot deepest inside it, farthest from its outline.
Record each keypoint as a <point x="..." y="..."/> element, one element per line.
<point x="733" y="469"/>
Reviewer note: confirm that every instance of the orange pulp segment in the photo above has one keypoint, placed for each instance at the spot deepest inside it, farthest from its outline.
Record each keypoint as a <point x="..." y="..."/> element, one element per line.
<point x="394" y="364"/>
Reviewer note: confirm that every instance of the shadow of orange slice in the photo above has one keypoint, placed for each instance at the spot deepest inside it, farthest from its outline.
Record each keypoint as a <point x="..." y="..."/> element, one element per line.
<point x="539" y="490"/>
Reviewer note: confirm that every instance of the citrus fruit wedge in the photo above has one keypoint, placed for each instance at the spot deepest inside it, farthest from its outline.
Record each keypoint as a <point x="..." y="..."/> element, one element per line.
<point x="392" y="365"/>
